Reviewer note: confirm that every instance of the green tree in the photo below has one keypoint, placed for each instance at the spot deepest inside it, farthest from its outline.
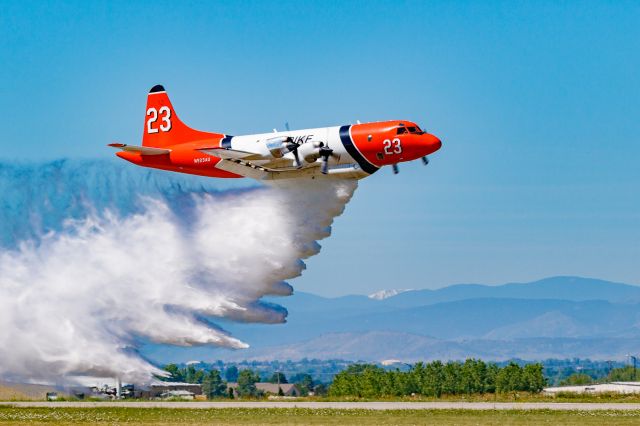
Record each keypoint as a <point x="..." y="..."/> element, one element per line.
<point x="320" y="389"/>
<point x="193" y="375"/>
<point x="625" y="374"/>
<point x="390" y="383"/>
<point x="304" y="382"/>
<point x="509" y="379"/>
<point x="190" y="374"/>
<point x="213" y="386"/>
<point x="433" y="380"/>
<point x="533" y="378"/>
<point x="491" y="377"/>
<point x="247" y="383"/>
<point x="231" y="374"/>
<point x="369" y="381"/>
<point x="472" y="376"/>
<point x="348" y="381"/>
<point x="452" y="375"/>
<point x="177" y="374"/>
<point x="577" y="379"/>
<point x="278" y="377"/>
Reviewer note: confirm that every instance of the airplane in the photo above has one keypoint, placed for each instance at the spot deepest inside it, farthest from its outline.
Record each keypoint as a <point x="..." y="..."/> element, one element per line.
<point x="347" y="152"/>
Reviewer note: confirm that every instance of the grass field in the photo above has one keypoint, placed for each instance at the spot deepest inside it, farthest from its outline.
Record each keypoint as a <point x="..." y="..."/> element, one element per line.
<point x="297" y="416"/>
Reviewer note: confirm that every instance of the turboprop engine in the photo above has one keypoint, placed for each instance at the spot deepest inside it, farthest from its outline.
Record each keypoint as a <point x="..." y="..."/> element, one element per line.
<point x="280" y="145"/>
<point x="303" y="153"/>
<point x="310" y="151"/>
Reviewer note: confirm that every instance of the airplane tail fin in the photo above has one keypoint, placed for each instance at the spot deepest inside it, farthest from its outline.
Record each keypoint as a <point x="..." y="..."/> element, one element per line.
<point x="162" y="127"/>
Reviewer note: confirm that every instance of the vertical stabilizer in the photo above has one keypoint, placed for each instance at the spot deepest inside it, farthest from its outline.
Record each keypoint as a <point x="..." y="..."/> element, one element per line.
<point x="162" y="127"/>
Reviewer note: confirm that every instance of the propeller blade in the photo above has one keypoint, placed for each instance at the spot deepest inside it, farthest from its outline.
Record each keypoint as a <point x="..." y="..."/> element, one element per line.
<point x="295" y="155"/>
<point x="325" y="153"/>
<point x="425" y="160"/>
<point x="293" y="147"/>
<point x="286" y="126"/>
<point x="325" y="165"/>
<point x="396" y="170"/>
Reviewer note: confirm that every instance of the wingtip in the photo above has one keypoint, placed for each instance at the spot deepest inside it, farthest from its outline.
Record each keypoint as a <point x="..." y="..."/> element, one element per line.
<point x="157" y="88"/>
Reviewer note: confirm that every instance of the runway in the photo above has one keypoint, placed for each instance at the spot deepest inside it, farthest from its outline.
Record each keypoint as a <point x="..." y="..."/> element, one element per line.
<point x="561" y="406"/>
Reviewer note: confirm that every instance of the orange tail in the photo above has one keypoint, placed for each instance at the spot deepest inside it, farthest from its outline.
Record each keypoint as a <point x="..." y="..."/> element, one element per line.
<point x="162" y="127"/>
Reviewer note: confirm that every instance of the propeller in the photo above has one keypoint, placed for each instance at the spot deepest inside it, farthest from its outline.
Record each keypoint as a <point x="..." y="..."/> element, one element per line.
<point x="425" y="160"/>
<point x="395" y="168"/>
<point x="293" y="147"/>
<point x="325" y="152"/>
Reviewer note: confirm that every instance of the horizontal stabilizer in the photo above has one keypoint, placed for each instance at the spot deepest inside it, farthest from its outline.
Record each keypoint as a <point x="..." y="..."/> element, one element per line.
<point x="143" y="150"/>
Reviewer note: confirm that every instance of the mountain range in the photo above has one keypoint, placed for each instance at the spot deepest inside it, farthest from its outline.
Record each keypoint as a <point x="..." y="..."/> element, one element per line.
<point x="557" y="317"/>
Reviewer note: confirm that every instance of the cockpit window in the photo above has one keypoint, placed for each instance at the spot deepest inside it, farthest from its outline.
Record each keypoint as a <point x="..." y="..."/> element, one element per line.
<point x="411" y="129"/>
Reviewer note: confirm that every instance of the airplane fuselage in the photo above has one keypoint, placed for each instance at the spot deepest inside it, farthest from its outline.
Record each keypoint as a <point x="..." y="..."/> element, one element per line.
<point x="348" y="151"/>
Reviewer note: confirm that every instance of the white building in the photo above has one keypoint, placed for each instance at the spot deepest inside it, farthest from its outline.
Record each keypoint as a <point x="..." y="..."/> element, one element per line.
<point x="613" y="387"/>
<point x="182" y="394"/>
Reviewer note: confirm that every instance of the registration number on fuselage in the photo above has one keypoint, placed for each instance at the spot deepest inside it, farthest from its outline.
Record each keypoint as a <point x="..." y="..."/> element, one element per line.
<point x="302" y="139"/>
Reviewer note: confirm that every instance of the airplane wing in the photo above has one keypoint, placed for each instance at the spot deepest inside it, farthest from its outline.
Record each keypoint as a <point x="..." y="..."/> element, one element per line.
<point x="230" y="154"/>
<point x="251" y="164"/>
<point x="255" y="171"/>
<point x="248" y="169"/>
<point x="144" y="150"/>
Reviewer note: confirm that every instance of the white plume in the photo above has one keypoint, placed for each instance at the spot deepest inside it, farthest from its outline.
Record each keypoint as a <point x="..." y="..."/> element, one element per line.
<point x="77" y="299"/>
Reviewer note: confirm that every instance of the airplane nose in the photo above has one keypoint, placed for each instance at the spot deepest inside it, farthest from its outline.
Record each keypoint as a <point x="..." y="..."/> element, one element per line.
<point x="434" y="142"/>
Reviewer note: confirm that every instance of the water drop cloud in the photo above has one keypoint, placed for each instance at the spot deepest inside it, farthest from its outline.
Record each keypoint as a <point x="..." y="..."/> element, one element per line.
<point x="94" y="260"/>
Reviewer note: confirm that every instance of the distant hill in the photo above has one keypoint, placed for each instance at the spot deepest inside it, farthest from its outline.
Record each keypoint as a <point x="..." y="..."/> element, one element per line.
<point x="562" y="288"/>
<point x="566" y="315"/>
<point x="376" y="346"/>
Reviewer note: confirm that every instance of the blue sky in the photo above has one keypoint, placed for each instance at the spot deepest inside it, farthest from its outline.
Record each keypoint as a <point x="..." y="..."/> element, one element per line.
<point x="537" y="104"/>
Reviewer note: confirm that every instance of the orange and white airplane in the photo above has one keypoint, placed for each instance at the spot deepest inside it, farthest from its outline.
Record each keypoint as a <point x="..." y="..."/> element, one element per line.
<point x="348" y="152"/>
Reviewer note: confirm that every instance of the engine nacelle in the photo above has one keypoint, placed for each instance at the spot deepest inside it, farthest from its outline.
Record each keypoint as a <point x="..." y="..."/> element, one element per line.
<point x="310" y="152"/>
<point x="279" y="146"/>
<point x="307" y="153"/>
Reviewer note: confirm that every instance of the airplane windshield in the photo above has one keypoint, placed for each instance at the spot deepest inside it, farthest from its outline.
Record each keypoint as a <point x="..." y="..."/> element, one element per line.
<point x="411" y="129"/>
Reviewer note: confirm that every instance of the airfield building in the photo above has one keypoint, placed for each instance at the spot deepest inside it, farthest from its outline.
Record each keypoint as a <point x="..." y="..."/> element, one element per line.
<point x="288" y="389"/>
<point x="613" y="387"/>
<point x="158" y="389"/>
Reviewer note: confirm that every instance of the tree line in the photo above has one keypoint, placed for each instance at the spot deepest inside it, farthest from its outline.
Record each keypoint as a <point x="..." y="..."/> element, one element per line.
<point x="437" y="378"/>
<point x="370" y="381"/>
<point x="623" y="374"/>
<point x="214" y="386"/>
